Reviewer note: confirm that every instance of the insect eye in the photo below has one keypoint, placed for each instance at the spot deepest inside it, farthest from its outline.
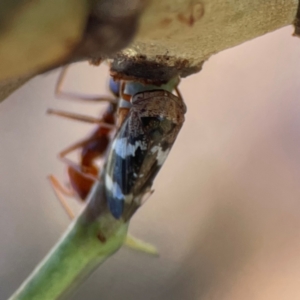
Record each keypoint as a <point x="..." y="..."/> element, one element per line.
<point x="114" y="87"/>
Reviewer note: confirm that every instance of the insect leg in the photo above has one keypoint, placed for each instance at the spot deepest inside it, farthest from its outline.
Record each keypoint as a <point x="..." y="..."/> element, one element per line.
<point x="78" y="117"/>
<point x="74" y="96"/>
<point x="124" y="96"/>
<point x="122" y="114"/>
<point x="123" y="111"/>
<point x="139" y="245"/>
<point x="79" y="144"/>
<point x="178" y="93"/>
<point x="80" y="169"/>
<point x="58" y="190"/>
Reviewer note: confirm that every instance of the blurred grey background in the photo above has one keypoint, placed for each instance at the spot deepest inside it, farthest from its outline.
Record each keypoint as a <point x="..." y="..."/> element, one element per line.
<point x="225" y="215"/>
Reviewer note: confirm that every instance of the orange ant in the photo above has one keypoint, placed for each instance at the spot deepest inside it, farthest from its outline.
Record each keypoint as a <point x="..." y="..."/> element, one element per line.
<point x="82" y="176"/>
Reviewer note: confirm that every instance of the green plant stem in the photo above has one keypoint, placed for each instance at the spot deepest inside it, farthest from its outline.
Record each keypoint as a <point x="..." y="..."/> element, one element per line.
<point x="89" y="241"/>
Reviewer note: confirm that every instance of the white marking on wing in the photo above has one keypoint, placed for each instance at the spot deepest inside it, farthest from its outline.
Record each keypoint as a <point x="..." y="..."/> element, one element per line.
<point x="116" y="191"/>
<point x="124" y="149"/>
<point x="160" y="154"/>
<point x="114" y="188"/>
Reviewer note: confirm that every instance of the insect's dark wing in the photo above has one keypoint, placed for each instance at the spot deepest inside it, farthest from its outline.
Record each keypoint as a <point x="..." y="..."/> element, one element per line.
<point x="138" y="152"/>
<point x="124" y="163"/>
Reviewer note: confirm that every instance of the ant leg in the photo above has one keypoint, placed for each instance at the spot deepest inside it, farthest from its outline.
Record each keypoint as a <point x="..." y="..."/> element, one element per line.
<point x="180" y="97"/>
<point x="139" y="245"/>
<point x="123" y="111"/>
<point x="74" y="96"/>
<point x="178" y="93"/>
<point x="75" y="146"/>
<point x="124" y="96"/>
<point x="58" y="190"/>
<point x="79" y="117"/>
<point x="59" y="187"/>
<point x="122" y="114"/>
<point x="80" y="169"/>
